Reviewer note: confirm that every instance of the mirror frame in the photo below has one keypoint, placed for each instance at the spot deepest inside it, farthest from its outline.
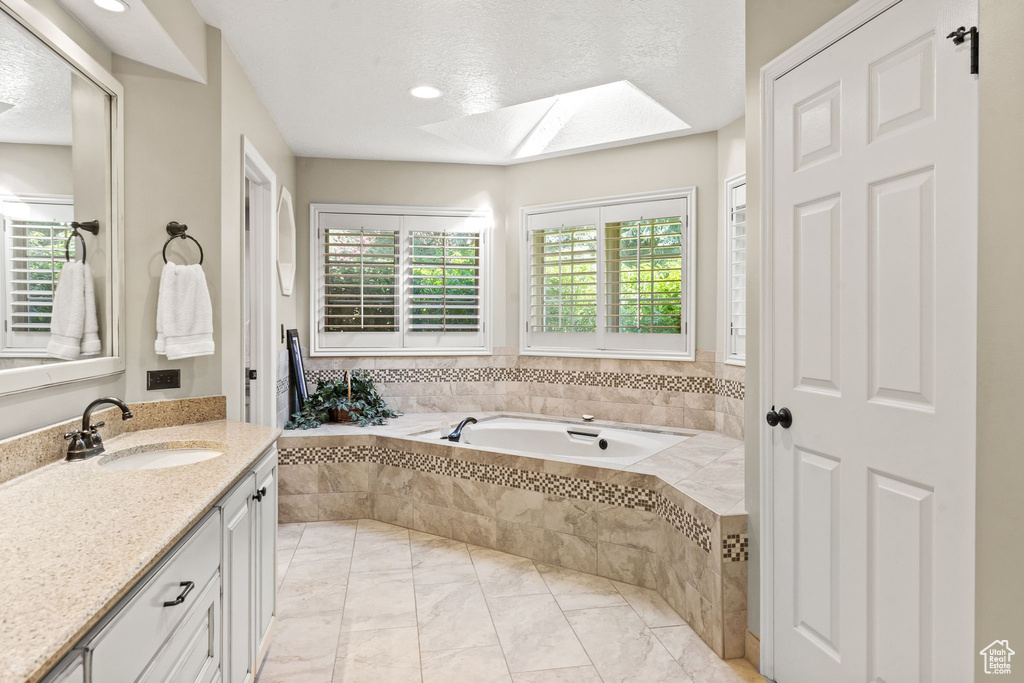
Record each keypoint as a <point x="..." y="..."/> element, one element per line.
<point x="40" y="376"/>
<point x="286" y="265"/>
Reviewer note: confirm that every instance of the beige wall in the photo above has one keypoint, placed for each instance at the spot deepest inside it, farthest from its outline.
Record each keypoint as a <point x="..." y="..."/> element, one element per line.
<point x="999" y="590"/>
<point x="35" y="169"/>
<point x="244" y="115"/>
<point x="172" y="172"/>
<point x="773" y="26"/>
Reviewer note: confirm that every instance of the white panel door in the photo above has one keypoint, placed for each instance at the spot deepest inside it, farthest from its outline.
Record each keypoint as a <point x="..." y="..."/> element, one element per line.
<point x="873" y="262"/>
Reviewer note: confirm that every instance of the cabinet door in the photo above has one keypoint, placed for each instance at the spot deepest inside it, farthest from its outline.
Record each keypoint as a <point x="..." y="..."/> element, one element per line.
<point x="239" y="552"/>
<point x="266" y="547"/>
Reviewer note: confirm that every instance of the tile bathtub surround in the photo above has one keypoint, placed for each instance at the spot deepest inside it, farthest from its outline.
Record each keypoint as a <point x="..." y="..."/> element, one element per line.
<point x="704" y="394"/>
<point x="624" y="525"/>
<point x="26" y="452"/>
<point x="452" y="612"/>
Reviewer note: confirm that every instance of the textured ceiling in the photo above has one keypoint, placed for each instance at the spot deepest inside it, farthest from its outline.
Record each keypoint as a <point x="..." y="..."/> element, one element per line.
<point x="335" y="74"/>
<point x="36" y="83"/>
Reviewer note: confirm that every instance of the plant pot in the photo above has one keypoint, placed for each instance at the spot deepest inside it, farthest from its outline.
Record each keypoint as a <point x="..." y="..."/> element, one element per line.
<point x="339" y="415"/>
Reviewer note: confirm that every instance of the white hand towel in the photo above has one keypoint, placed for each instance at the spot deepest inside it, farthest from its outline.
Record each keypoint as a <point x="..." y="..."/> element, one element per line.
<point x="91" y="330"/>
<point x="184" y="313"/>
<point x="67" y="321"/>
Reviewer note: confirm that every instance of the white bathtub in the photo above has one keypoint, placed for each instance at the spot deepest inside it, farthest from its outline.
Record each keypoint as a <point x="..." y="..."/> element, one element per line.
<point x="568" y="441"/>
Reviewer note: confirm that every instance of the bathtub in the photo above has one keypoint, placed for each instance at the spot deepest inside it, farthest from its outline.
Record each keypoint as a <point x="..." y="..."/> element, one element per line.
<point x="585" y="443"/>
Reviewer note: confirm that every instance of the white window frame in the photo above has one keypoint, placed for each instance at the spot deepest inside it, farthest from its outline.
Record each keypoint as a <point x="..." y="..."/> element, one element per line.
<point x="402" y="343"/>
<point x="10" y="346"/>
<point x="531" y="344"/>
<point x="731" y="358"/>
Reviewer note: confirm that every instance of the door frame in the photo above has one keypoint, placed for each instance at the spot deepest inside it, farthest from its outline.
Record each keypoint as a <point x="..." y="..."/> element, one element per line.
<point x="263" y="235"/>
<point x="829" y="33"/>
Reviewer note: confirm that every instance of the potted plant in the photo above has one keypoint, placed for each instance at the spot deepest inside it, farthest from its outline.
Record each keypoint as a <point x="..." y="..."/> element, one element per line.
<point x="355" y="400"/>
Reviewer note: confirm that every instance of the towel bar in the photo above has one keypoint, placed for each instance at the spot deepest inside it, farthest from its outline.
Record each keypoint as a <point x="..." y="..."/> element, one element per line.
<point x="176" y="229"/>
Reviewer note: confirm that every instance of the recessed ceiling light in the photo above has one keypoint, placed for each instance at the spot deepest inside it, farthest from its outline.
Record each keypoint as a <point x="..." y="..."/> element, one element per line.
<point x="426" y="92"/>
<point x="112" y="5"/>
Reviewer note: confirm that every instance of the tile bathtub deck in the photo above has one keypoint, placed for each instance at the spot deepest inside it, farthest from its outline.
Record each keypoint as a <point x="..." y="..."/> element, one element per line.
<point x="707" y="466"/>
<point x="367" y="601"/>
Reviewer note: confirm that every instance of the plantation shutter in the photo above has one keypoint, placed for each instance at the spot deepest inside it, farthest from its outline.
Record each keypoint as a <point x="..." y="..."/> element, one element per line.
<point x="35" y="232"/>
<point x="444" y="260"/>
<point x="359" y="294"/>
<point x="563" y="277"/>
<point x="736" y="272"/>
<point x="643" y="274"/>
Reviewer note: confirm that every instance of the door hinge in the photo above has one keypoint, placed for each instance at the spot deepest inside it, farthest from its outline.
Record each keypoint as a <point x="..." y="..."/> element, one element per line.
<point x="962" y="34"/>
<point x="252" y="374"/>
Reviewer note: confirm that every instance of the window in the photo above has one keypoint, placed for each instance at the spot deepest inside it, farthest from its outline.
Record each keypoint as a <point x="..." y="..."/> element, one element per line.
<point x="735" y="270"/>
<point x="398" y="282"/>
<point x="610" y="278"/>
<point x="35" y="231"/>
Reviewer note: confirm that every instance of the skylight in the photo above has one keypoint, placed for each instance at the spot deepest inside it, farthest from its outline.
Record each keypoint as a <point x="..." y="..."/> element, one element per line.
<point x="582" y="119"/>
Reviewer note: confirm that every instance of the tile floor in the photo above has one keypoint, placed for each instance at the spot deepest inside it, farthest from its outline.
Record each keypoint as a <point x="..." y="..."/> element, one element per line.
<point x="367" y="601"/>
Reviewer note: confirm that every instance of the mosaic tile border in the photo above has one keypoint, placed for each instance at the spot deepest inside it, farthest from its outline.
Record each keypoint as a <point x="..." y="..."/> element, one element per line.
<point x="618" y="380"/>
<point x="282" y="386"/>
<point x="736" y="548"/>
<point x="542" y="482"/>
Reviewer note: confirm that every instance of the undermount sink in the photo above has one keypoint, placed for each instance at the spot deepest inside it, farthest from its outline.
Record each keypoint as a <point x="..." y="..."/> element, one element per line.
<point x="159" y="457"/>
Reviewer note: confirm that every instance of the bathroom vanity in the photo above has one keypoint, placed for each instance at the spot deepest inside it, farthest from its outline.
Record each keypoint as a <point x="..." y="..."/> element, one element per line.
<point x="162" y="574"/>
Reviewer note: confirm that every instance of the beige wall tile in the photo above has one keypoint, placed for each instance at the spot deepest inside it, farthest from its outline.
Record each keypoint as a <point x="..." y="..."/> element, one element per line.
<point x="297" y="479"/>
<point x="432" y="519"/>
<point x="626" y="564"/>
<point x="344" y="506"/>
<point x="393" y="510"/>
<point x="476" y="529"/>
<point x="629" y="527"/>
<point x="571" y="552"/>
<point x="344" y="477"/>
<point x="476" y="497"/>
<point x="517" y="505"/>
<point x="297" y="508"/>
<point x="520" y="539"/>
<point x="571" y="516"/>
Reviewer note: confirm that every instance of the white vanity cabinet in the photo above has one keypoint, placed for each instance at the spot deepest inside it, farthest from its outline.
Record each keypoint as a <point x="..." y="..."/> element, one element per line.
<point x="266" y="549"/>
<point x="203" y="613"/>
<point x="250" y="565"/>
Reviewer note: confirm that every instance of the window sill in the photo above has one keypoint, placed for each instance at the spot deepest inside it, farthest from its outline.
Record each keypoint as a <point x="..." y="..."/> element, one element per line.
<point x="739" y="362"/>
<point x="614" y="355"/>
<point x="34" y="355"/>
<point x="409" y="353"/>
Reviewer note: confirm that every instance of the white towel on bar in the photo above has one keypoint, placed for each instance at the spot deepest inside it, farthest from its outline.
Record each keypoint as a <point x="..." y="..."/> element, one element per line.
<point x="74" y="330"/>
<point x="184" y="315"/>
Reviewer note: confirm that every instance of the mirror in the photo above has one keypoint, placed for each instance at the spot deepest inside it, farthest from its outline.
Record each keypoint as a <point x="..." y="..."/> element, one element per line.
<point x="286" y="242"/>
<point x="57" y="156"/>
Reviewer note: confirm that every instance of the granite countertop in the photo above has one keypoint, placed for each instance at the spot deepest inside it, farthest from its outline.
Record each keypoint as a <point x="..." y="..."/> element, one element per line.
<point x="75" y="537"/>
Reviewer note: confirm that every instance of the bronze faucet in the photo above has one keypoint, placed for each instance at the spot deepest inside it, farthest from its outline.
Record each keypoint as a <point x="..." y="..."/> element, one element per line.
<point x="87" y="442"/>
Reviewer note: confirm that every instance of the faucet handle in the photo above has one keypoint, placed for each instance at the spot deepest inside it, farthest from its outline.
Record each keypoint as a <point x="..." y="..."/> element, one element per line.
<point x="72" y="435"/>
<point x="97" y="425"/>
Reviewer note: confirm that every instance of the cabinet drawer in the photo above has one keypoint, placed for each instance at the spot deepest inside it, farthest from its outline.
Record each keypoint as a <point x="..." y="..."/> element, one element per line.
<point x="192" y="655"/>
<point x="124" y="647"/>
